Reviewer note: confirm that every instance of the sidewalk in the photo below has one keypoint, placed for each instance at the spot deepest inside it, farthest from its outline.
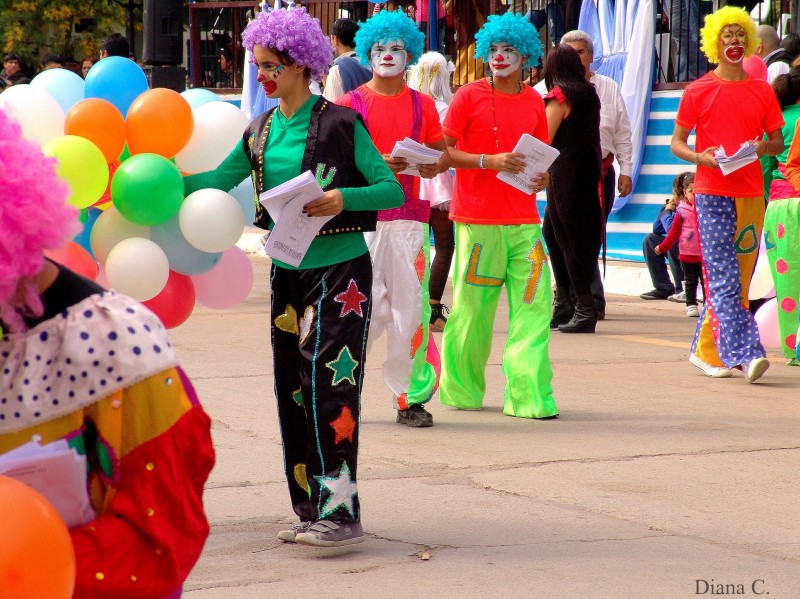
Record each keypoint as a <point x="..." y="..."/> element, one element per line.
<point x="653" y="480"/>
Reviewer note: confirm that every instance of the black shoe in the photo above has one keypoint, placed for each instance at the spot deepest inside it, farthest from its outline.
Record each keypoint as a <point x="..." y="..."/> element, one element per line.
<point x="653" y="295"/>
<point x="439" y="313"/>
<point x="563" y="307"/>
<point x="415" y="416"/>
<point x="585" y="318"/>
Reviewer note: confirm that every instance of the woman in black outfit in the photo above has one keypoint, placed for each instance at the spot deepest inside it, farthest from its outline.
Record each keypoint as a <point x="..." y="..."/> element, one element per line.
<point x="573" y="227"/>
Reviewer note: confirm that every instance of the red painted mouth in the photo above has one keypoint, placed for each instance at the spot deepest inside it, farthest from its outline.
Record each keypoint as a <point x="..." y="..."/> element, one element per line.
<point x="498" y="66"/>
<point x="734" y="53"/>
<point x="270" y="87"/>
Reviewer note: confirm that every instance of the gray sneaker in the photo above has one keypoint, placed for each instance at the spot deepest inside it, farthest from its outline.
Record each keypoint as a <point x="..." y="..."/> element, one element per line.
<point x="289" y="536"/>
<point x="325" y="533"/>
<point x="416" y="416"/>
<point x="679" y="298"/>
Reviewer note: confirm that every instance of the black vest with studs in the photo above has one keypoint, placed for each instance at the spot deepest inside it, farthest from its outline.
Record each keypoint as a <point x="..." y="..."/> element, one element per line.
<point x="329" y="154"/>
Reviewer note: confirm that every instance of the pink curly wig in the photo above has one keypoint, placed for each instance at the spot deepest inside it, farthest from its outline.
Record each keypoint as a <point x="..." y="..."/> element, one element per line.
<point x="34" y="216"/>
<point x="295" y="32"/>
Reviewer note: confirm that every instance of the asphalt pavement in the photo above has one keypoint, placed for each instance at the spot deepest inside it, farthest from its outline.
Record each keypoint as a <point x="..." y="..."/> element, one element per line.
<point x="654" y="482"/>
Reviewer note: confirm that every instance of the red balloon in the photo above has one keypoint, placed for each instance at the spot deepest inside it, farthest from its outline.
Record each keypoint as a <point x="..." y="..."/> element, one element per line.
<point x="175" y="302"/>
<point x="76" y="258"/>
<point x="37" y="558"/>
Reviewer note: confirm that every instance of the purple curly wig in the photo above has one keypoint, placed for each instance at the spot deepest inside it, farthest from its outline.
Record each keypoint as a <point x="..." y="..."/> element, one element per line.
<point x="34" y="216"/>
<point x="295" y="32"/>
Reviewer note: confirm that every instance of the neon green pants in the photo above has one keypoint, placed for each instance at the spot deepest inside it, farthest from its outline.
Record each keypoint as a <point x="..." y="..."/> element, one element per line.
<point x="782" y="238"/>
<point x="487" y="258"/>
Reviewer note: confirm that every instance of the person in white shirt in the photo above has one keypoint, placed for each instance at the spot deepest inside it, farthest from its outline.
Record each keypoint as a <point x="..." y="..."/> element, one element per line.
<point x="615" y="138"/>
<point x="346" y="73"/>
<point x="770" y="51"/>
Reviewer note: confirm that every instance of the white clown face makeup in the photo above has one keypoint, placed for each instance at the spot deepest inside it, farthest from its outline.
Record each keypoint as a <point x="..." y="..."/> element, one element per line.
<point x="733" y="40"/>
<point x="504" y="59"/>
<point x="388" y="59"/>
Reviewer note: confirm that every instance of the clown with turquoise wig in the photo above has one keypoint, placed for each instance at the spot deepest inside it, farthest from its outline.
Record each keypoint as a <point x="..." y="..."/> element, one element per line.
<point x="726" y="108"/>
<point x="498" y="230"/>
<point x="400" y="245"/>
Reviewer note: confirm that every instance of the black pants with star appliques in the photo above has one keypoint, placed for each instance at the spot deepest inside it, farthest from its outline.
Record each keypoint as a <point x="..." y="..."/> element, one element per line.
<point x="320" y="320"/>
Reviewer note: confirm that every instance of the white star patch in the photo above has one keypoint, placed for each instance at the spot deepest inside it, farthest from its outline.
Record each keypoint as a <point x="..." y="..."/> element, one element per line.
<point x="342" y="491"/>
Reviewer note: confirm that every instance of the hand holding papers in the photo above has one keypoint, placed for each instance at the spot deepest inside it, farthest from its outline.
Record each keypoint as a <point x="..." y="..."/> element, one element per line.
<point x="747" y="153"/>
<point x="538" y="158"/>
<point x="294" y="230"/>
<point x="57" y="472"/>
<point x="415" y="154"/>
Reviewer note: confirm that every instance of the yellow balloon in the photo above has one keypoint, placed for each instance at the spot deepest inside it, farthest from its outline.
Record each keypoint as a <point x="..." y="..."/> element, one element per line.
<point x="82" y="165"/>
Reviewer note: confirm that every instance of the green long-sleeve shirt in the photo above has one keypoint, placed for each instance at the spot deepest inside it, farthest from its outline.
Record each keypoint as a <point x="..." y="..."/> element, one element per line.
<point x="283" y="156"/>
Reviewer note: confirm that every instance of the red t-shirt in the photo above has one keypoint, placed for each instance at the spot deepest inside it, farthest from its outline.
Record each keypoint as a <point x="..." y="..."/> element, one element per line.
<point x="479" y="197"/>
<point x="390" y="119"/>
<point x="728" y="113"/>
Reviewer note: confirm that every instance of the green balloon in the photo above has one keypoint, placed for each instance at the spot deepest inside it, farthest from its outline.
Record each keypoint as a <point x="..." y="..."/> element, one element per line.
<point x="125" y="154"/>
<point x="147" y="189"/>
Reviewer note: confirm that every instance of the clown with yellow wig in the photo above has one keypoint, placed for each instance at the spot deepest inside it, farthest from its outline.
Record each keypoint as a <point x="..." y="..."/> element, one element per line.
<point x="726" y="108"/>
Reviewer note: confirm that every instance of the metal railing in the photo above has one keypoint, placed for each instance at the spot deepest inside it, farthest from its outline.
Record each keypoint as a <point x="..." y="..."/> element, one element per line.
<point x="218" y="25"/>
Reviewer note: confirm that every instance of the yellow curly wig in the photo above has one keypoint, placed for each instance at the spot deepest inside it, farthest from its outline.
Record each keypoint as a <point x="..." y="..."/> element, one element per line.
<point x="727" y="15"/>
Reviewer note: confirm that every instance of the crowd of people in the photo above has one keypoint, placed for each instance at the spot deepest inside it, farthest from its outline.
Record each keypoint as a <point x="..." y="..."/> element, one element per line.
<point x="14" y="71"/>
<point x="368" y="272"/>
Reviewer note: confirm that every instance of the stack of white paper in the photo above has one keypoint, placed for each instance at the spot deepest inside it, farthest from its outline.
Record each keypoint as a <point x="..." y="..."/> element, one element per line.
<point x="55" y="471"/>
<point x="294" y="230"/>
<point x="746" y="154"/>
<point x="538" y="158"/>
<point x="415" y="154"/>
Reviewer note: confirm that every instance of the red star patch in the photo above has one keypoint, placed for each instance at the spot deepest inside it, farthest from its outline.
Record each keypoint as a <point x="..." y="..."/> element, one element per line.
<point x="344" y="426"/>
<point x="351" y="300"/>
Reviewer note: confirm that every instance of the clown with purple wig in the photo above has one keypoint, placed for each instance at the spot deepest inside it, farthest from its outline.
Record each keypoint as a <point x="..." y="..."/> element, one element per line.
<point x="94" y="371"/>
<point x="321" y="308"/>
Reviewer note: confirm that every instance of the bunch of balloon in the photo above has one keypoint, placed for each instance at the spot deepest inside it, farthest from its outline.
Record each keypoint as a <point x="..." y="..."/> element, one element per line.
<point x="123" y="148"/>
<point x="37" y="558"/>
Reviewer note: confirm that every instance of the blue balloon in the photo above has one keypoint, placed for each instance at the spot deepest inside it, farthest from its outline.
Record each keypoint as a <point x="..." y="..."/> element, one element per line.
<point x="183" y="257"/>
<point x="116" y="79"/>
<point x="245" y="195"/>
<point x="65" y="86"/>
<point x="198" y="96"/>
<point x="82" y="238"/>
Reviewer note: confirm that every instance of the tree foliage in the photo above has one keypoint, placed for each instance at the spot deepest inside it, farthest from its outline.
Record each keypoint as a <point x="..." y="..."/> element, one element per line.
<point x="71" y="29"/>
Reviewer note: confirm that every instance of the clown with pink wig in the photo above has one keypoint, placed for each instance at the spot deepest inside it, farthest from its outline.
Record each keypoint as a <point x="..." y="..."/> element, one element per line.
<point x="96" y="370"/>
<point x="320" y="309"/>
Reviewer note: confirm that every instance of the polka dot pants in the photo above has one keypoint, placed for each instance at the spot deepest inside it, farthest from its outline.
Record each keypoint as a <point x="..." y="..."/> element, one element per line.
<point x="782" y="239"/>
<point x="730" y="230"/>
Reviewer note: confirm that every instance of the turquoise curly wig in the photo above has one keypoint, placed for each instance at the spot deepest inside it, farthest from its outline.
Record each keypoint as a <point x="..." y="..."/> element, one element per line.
<point x="511" y="28"/>
<point x="388" y="25"/>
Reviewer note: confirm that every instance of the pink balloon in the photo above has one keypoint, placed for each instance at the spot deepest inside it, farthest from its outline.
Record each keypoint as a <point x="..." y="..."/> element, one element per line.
<point x="228" y="283"/>
<point x="755" y="67"/>
<point x="767" y="320"/>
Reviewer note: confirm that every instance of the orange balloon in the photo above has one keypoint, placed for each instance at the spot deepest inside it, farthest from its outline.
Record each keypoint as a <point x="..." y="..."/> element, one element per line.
<point x="37" y="558"/>
<point x="159" y="121"/>
<point x="77" y="259"/>
<point x="100" y="122"/>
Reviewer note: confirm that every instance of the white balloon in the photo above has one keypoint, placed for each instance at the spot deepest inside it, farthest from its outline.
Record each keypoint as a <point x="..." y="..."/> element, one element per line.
<point x="218" y="127"/>
<point x="211" y="220"/>
<point x="37" y="112"/>
<point x="109" y="229"/>
<point x="137" y="267"/>
<point x="768" y="328"/>
<point x="761" y="284"/>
